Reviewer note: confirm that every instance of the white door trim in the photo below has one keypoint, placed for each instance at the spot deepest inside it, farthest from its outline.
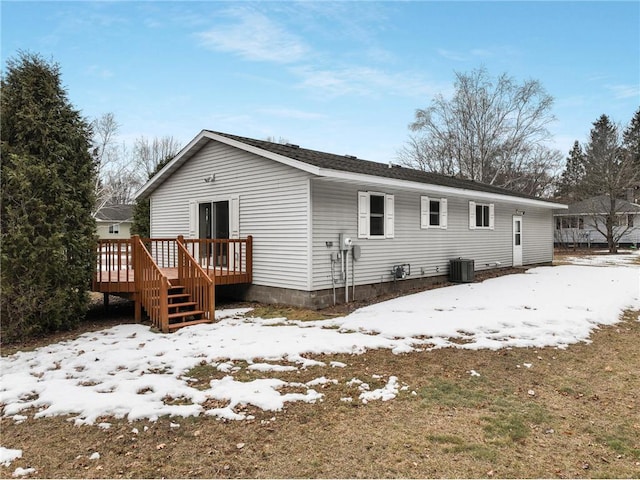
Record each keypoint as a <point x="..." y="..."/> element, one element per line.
<point x="517" y="240"/>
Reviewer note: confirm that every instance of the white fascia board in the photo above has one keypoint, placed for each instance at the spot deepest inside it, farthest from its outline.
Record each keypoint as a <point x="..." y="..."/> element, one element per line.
<point x="182" y="156"/>
<point x="440" y="189"/>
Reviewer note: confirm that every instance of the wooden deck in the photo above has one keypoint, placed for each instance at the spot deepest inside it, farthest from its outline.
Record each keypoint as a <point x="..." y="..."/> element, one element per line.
<point x="158" y="272"/>
<point x="123" y="281"/>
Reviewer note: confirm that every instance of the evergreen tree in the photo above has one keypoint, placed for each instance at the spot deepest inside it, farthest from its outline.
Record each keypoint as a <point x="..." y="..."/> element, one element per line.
<point x="609" y="172"/>
<point x="631" y="138"/>
<point x="631" y="146"/>
<point x="573" y="175"/>
<point x="48" y="233"/>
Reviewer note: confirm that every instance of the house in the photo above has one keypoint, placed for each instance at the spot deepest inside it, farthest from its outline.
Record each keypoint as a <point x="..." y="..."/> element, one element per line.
<point x="583" y="222"/>
<point x="328" y="228"/>
<point x="114" y="221"/>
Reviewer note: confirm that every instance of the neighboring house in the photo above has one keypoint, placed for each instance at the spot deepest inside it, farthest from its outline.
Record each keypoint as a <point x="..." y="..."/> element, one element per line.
<point x="576" y="225"/>
<point x="114" y="221"/>
<point x="404" y="225"/>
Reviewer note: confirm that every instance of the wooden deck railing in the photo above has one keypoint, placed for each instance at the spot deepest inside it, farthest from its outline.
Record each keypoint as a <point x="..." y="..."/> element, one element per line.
<point x="152" y="286"/>
<point x="196" y="281"/>
<point x="223" y="257"/>
<point x="114" y="264"/>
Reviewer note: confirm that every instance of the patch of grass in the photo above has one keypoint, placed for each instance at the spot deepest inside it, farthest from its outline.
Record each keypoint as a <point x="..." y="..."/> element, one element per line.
<point x="453" y="393"/>
<point x="511" y="426"/>
<point x="200" y="376"/>
<point x="476" y="451"/>
<point x="290" y="313"/>
<point x="453" y="439"/>
<point x="623" y="442"/>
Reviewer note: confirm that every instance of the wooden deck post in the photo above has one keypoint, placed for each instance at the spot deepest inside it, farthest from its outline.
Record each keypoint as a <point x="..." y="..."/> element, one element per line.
<point x="135" y="242"/>
<point x="250" y="258"/>
<point x="164" y="305"/>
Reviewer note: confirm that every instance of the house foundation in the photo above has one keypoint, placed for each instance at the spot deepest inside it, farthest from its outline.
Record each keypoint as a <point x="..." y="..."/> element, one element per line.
<point x="320" y="299"/>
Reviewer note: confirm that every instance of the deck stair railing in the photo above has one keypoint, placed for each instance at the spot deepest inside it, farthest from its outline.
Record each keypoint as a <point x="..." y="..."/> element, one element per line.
<point x="195" y="281"/>
<point x="152" y="286"/>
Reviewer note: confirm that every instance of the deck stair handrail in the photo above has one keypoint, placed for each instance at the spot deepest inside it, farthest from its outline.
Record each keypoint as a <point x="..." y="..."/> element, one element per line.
<point x="195" y="280"/>
<point x="152" y="285"/>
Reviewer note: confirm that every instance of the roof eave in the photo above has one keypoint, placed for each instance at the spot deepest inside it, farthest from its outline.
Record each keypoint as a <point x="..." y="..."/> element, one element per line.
<point x="441" y="189"/>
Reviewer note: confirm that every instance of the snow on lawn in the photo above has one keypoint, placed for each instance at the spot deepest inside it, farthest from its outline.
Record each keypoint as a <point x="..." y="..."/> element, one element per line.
<point x="624" y="257"/>
<point x="130" y="372"/>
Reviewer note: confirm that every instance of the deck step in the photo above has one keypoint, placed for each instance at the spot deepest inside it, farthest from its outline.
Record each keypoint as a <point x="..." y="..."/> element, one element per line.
<point x="191" y="313"/>
<point x="177" y="295"/>
<point x="175" y="326"/>
<point x="182" y="305"/>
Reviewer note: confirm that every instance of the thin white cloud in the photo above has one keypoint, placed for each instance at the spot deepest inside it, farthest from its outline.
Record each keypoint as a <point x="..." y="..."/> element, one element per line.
<point x="99" y="72"/>
<point x="476" y="53"/>
<point x="451" y="55"/>
<point x="254" y="36"/>
<point x="364" y="81"/>
<point x="625" y="91"/>
<point x="284" y="112"/>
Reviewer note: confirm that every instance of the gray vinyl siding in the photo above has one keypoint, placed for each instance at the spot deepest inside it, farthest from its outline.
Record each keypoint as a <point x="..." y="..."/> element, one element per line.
<point x="273" y="206"/>
<point x="537" y="235"/>
<point x="589" y="234"/>
<point x="428" y="251"/>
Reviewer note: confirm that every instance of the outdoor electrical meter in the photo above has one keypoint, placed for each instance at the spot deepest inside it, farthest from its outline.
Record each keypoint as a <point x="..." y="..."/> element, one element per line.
<point x="344" y="242"/>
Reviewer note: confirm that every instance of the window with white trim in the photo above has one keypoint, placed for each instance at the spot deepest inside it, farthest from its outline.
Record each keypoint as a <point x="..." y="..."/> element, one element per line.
<point x="433" y="212"/>
<point x="375" y="215"/>
<point x="115" y="228"/>
<point x="481" y="216"/>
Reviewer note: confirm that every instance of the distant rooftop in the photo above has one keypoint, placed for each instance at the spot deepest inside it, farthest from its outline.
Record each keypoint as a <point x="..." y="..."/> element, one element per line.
<point x="115" y="213"/>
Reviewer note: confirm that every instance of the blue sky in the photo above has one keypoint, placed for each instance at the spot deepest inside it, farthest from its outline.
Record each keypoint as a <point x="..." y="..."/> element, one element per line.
<point x="342" y="77"/>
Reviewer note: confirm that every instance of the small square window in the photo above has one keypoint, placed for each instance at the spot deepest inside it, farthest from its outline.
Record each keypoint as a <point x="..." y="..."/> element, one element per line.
<point x="115" y="228"/>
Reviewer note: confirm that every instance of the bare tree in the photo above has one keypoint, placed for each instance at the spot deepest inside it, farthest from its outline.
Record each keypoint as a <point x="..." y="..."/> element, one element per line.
<point x="121" y="172"/>
<point x="116" y="180"/>
<point x="149" y="154"/>
<point x="490" y="132"/>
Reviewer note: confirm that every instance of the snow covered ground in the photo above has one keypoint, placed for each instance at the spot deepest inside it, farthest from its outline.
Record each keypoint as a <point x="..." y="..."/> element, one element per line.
<point x="129" y="372"/>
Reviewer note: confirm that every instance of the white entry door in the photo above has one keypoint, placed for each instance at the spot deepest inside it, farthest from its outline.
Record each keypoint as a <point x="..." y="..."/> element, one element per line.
<point x="517" y="241"/>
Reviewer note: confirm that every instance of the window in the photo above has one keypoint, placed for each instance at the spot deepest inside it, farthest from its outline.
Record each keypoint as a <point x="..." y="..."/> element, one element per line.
<point x="481" y="215"/>
<point x="115" y="228"/>
<point x="630" y="219"/>
<point x="433" y="212"/>
<point x="570" y="222"/>
<point x="375" y="215"/>
<point x="620" y="220"/>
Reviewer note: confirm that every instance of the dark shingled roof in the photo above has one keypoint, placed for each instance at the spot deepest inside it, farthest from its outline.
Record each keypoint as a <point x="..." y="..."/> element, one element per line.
<point x="599" y="205"/>
<point x="115" y="213"/>
<point x="347" y="163"/>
